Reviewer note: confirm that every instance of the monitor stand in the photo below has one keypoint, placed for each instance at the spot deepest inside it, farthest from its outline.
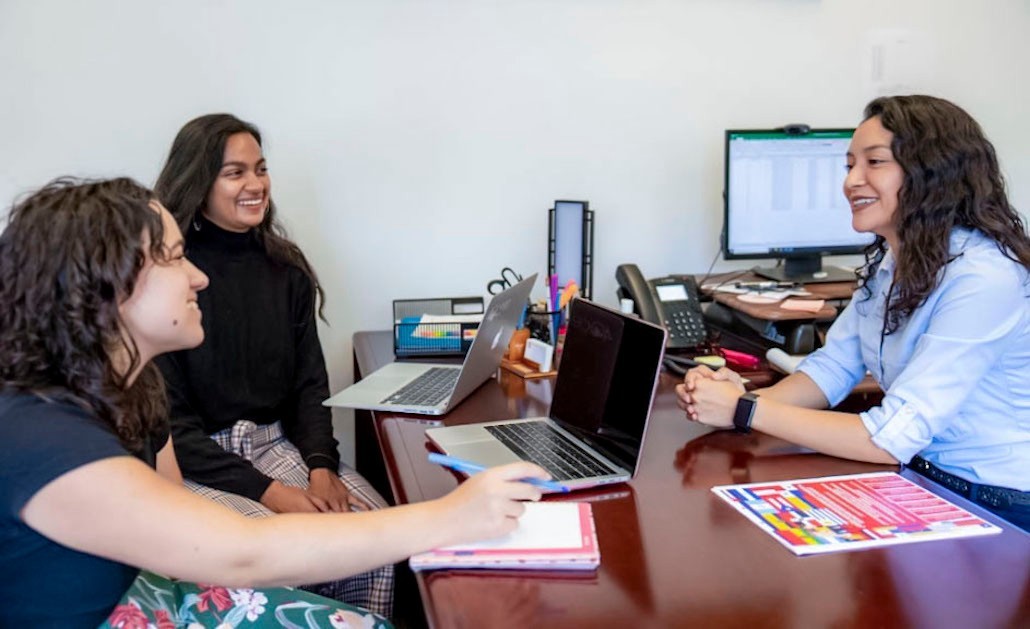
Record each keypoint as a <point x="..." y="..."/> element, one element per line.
<point x="806" y="270"/>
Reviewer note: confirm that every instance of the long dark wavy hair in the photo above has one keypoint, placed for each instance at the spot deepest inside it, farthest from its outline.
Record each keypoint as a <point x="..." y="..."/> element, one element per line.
<point x="193" y="164"/>
<point x="71" y="252"/>
<point x="951" y="179"/>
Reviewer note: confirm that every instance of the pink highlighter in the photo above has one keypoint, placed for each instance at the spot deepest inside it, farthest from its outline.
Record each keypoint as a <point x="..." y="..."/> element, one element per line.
<point x="740" y="359"/>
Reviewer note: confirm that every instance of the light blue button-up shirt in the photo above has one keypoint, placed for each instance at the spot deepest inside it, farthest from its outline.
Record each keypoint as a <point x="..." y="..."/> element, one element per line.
<point x="956" y="374"/>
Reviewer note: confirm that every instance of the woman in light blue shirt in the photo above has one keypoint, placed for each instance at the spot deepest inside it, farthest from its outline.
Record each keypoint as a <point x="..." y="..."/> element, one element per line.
<point x="941" y="318"/>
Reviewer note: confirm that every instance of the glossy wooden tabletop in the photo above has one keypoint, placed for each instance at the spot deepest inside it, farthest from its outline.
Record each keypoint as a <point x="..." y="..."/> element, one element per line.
<point x="673" y="555"/>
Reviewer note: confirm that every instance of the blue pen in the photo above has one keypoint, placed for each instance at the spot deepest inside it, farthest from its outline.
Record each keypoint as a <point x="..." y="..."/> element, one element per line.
<point x="468" y="467"/>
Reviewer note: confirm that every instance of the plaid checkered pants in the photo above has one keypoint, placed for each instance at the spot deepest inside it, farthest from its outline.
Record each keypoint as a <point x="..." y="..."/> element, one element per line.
<point x="267" y="448"/>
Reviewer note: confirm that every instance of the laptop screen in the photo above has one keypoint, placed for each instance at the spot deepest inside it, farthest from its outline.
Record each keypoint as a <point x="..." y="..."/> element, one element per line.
<point x="609" y="368"/>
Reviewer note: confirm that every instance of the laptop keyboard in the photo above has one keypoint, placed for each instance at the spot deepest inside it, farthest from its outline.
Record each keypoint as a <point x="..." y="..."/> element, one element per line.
<point x="429" y="389"/>
<point x="542" y="444"/>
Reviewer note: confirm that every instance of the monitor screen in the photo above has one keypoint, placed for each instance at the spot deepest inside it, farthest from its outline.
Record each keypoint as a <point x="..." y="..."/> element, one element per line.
<point x="784" y="199"/>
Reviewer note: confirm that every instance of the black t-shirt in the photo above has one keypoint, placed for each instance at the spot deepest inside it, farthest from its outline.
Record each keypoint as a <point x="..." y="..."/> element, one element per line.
<point x="42" y="583"/>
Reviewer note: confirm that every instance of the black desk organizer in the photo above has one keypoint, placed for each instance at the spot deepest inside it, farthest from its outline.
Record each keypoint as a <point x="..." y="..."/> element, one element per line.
<point x="412" y="338"/>
<point x="798" y="336"/>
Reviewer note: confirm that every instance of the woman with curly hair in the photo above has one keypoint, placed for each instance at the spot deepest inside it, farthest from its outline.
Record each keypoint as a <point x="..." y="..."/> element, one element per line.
<point x="941" y="318"/>
<point x="93" y="285"/>
<point x="246" y="407"/>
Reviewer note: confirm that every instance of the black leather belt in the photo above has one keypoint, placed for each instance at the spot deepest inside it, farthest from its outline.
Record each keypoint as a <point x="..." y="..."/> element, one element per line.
<point x="996" y="497"/>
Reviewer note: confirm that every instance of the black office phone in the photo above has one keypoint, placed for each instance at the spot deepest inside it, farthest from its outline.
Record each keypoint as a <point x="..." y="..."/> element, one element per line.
<point x="671" y="301"/>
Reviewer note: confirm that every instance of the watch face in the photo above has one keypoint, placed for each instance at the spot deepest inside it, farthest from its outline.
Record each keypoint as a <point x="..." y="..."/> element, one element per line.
<point x="745" y="411"/>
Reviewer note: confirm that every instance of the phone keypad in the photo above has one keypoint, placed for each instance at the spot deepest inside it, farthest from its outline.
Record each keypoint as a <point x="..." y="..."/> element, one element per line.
<point x="685" y="324"/>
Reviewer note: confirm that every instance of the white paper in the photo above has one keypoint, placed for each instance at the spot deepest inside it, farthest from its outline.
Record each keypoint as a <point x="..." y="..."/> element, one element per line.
<point x="544" y="525"/>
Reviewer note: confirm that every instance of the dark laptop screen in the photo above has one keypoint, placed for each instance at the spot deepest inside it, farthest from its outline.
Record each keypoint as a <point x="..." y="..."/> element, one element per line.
<point x="609" y="366"/>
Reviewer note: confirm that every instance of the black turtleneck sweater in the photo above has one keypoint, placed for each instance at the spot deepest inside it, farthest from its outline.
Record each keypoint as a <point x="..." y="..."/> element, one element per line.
<point x="260" y="360"/>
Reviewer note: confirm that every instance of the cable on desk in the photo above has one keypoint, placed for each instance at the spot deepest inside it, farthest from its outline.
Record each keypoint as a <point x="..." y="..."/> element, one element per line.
<point x="674" y="367"/>
<point x="680" y="364"/>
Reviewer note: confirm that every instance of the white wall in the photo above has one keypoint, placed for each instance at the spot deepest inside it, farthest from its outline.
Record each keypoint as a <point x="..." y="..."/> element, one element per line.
<point x="415" y="145"/>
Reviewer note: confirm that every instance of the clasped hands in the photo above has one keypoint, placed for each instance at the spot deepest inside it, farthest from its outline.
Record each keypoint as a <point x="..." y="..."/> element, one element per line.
<point x="710" y="397"/>
<point x="325" y="492"/>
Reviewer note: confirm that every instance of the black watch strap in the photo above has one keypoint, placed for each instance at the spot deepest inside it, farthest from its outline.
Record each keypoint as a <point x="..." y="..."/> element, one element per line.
<point x="745" y="412"/>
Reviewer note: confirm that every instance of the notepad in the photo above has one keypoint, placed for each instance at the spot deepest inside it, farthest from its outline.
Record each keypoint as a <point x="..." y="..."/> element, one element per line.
<point x="550" y="536"/>
<point x="804" y="305"/>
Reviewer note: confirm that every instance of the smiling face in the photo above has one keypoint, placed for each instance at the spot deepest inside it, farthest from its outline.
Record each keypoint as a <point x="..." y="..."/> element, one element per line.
<point x="874" y="180"/>
<point x="161" y="315"/>
<point x="238" y="200"/>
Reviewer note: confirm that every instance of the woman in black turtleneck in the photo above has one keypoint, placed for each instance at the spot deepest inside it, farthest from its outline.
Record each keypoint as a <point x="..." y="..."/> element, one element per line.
<point x="247" y="418"/>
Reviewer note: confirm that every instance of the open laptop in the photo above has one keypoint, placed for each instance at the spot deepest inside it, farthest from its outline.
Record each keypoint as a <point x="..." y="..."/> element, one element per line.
<point x="594" y="434"/>
<point x="434" y="389"/>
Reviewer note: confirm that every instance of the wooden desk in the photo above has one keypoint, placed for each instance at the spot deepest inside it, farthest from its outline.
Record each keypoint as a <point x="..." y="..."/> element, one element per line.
<point x="673" y="555"/>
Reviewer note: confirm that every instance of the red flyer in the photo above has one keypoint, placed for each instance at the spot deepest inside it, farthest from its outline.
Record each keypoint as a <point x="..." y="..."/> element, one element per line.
<point x="835" y="513"/>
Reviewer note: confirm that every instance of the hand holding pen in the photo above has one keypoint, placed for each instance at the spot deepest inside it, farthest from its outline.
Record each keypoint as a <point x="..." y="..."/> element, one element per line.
<point x="468" y="467"/>
<point x="489" y="504"/>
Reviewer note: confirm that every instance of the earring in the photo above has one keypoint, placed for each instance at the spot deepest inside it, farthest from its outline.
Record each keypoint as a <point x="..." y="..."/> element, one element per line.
<point x="196" y="225"/>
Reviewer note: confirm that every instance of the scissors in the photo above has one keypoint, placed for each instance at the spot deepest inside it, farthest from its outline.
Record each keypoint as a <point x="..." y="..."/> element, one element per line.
<point x="508" y="279"/>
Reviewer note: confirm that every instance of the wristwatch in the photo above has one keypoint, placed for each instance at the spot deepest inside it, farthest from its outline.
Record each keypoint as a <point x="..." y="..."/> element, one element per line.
<point x="745" y="411"/>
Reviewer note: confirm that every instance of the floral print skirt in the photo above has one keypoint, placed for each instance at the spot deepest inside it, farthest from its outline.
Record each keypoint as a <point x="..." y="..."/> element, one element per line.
<point x="156" y="602"/>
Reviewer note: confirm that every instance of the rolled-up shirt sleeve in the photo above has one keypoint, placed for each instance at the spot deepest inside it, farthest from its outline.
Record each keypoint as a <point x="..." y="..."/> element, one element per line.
<point x="969" y="328"/>
<point x="837" y="366"/>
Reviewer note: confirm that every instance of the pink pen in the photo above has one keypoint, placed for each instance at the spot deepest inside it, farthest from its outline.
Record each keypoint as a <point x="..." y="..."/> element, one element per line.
<point x="555" y="317"/>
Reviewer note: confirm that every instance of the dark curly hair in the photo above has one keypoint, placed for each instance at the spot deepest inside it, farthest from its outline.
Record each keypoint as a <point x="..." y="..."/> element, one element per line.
<point x="193" y="164"/>
<point x="951" y="179"/>
<point x="71" y="252"/>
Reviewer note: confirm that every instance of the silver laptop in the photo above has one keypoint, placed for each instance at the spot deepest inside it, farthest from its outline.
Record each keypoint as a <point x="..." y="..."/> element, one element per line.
<point x="434" y="389"/>
<point x="594" y="433"/>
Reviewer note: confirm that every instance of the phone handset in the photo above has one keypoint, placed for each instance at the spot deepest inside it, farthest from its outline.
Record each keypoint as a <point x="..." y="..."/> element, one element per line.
<point x="635" y="287"/>
<point x="671" y="301"/>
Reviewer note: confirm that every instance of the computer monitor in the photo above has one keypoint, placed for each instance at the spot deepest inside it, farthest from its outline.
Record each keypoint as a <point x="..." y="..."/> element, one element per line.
<point x="784" y="199"/>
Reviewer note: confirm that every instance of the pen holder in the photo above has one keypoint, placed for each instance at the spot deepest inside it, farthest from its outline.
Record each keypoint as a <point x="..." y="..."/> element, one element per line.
<point x="539" y="323"/>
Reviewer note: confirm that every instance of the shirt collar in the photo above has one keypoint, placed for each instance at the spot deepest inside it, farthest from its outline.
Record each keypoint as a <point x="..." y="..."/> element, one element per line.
<point x="960" y="239"/>
<point x="886" y="264"/>
<point x="963" y="238"/>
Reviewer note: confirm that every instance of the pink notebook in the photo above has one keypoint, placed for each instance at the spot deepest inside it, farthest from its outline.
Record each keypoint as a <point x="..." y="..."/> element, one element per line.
<point x="551" y="536"/>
